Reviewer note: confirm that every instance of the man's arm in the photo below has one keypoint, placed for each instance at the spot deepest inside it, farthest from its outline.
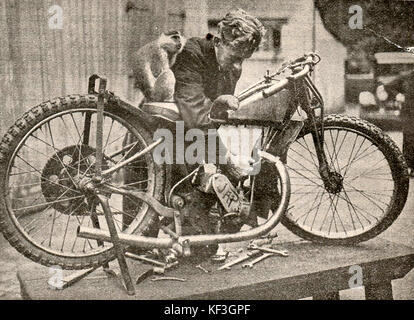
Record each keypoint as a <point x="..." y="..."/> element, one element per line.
<point x="395" y="86"/>
<point x="189" y="89"/>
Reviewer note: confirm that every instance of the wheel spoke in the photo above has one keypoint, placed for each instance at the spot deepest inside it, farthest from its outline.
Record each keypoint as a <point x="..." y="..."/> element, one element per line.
<point x="313" y="156"/>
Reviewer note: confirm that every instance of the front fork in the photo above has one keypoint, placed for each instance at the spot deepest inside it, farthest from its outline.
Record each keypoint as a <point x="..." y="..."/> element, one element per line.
<point x="310" y="103"/>
<point x="318" y="141"/>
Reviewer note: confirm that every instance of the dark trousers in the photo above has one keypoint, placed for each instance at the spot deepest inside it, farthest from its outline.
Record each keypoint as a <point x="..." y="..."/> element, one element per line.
<point x="408" y="147"/>
<point x="407" y="115"/>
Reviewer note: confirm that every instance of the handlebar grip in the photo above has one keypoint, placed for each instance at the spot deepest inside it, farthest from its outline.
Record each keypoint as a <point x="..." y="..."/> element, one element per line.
<point x="300" y="74"/>
<point x="307" y="58"/>
<point x="283" y="83"/>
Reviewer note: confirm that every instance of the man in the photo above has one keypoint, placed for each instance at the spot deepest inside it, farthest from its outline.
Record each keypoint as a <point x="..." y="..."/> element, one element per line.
<point x="405" y="84"/>
<point x="207" y="71"/>
<point x="206" y="74"/>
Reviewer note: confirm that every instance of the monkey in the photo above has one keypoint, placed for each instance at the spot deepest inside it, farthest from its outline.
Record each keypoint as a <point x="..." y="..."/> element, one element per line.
<point x="151" y="66"/>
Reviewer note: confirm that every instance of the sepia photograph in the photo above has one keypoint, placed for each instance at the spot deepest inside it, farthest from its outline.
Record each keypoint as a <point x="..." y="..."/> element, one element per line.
<point x="225" y="151"/>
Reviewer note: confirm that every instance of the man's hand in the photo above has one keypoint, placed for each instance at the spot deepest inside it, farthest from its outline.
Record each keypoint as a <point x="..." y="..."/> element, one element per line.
<point x="381" y="93"/>
<point x="221" y="106"/>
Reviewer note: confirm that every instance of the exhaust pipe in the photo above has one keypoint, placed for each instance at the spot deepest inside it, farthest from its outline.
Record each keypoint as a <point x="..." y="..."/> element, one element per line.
<point x="124" y="238"/>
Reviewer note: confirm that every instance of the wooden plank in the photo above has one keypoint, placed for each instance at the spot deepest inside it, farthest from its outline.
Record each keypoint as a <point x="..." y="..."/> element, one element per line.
<point x="61" y="50"/>
<point x="16" y="59"/>
<point x="78" y="40"/>
<point x="5" y="85"/>
<point x="39" y="63"/>
<point x="41" y="46"/>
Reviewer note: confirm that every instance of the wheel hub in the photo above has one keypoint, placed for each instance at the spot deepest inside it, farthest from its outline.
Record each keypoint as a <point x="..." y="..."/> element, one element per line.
<point x="62" y="175"/>
<point x="334" y="184"/>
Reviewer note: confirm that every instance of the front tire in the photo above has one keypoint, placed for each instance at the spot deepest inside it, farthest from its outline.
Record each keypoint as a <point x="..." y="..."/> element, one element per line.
<point x="375" y="183"/>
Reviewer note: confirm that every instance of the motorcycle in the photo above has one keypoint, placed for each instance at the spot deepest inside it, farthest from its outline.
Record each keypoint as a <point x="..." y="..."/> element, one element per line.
<point x="340" y="180"/>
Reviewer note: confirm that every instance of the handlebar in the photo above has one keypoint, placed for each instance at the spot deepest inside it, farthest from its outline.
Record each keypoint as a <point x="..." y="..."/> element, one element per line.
<point x="304" y="64"/>
<point x="283" y="83"/>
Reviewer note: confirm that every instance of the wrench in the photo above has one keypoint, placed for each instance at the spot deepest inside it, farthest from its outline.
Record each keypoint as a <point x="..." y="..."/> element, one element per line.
<point x="202" y="268"/>
<point x="168" y="278"/>
<point x="242" y="258"/>
<point x="262" y="257"/>
<point x="282" y="253"/>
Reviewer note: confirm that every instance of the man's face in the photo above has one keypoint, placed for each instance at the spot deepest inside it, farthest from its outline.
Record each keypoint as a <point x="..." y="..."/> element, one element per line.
<point x="228" y="57"/>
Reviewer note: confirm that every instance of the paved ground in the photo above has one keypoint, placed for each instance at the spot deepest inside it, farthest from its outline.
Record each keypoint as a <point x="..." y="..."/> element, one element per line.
<point x="402" y="231"/>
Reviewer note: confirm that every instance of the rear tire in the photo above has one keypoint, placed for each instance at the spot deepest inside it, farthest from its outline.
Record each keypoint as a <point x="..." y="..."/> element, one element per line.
<point x="32" y="125"/>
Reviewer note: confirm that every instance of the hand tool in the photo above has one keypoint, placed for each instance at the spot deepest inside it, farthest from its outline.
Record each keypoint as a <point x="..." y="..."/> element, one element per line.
<point x="282" y="253"/>
<point x="262" y="257"/>
<point x="199" y="266"/>
<point x="242" y="258"/>
<point x="168" y="278"/>
<point x="144" y="276"/>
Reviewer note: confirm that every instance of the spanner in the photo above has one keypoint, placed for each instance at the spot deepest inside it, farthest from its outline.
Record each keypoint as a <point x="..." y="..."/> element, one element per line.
<point x="262" y="257"/>
<point x="242" y="258"/>
<point x="168" y="278"/>
<point x="199" y="266"/>
<point x="282" y="253"/>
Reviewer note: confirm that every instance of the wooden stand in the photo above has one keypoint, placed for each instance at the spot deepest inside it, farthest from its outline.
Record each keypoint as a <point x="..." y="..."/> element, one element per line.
<point x="311" y="270"/>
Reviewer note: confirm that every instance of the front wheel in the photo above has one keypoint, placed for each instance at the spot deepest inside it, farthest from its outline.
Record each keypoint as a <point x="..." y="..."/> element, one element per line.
<point x="372" y="183"/>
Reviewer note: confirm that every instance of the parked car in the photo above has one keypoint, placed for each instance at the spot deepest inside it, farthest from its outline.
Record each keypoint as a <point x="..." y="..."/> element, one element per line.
<point x="376" y="105"/>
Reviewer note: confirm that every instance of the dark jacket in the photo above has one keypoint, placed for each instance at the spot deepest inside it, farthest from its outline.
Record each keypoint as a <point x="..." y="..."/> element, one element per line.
<point x="199" y="81"/>
<point x="405" y="85"/>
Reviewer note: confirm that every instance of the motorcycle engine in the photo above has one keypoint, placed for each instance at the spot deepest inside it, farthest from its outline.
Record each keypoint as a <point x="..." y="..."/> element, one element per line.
<point x="215" y="206"/>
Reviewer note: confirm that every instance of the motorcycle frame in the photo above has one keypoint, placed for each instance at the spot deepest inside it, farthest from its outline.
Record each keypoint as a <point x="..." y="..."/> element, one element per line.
<point x="305" y="94"/>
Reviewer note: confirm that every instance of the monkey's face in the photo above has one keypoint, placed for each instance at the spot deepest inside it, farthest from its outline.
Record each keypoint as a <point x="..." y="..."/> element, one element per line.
<point x="172" y="42"/>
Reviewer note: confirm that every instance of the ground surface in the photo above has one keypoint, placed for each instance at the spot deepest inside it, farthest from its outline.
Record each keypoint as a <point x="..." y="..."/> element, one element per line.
<point x="400" y="232"/>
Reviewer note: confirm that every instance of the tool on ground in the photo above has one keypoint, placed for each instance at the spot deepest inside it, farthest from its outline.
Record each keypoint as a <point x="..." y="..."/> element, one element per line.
<point x="262" y="257"/>
<point x="283" y="253"/>
<point x="144" y="276"/>
<point x="161" y="270"/>
<point x="168" y="278"/>
<point x="242" y="258"/>
<point x="199" y="266"/>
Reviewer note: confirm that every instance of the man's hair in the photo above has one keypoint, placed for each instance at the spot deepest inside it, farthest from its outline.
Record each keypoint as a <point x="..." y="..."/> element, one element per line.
<point x="241" y="31"/>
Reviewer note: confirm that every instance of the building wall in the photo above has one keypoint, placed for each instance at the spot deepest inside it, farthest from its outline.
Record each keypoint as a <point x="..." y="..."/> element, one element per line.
<point x="38" y="63"/>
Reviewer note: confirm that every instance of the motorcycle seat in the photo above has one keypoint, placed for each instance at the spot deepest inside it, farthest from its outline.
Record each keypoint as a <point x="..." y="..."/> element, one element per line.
<point x="164" y="110"/>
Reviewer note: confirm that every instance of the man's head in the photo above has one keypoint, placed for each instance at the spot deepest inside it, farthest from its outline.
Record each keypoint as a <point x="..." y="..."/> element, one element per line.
<point x="406" y="69"/>
<point x="240" y="35"/>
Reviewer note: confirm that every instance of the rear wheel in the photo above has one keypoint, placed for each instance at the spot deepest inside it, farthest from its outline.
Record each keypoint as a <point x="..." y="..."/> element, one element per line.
<point x="42" y="158"/>
<point x="371" y="189"/>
